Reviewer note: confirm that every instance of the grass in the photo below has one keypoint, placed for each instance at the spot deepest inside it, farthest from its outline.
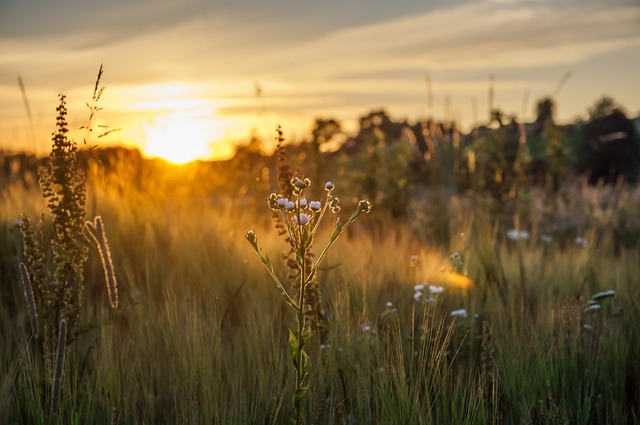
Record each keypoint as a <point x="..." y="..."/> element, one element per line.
<point x="200" y="334"/>
<point x="192" y="329"/>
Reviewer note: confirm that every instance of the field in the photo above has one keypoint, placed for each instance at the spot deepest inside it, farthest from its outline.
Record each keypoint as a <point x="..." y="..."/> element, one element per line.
<point x="199" y="335"/>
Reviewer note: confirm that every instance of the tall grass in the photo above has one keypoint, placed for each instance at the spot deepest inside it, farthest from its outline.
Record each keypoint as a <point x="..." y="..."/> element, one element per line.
<point x="200" y="336"/>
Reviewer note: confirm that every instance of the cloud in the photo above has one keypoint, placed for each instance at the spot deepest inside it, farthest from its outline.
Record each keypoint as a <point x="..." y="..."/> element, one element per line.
<point x="482" y="35"/>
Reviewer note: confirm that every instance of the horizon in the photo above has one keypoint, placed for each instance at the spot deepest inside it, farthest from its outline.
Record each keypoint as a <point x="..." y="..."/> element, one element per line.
<point x="190" y="81"/>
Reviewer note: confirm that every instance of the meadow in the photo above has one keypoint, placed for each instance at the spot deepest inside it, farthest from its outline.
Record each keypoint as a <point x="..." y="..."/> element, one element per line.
<point x="546" y="333"/>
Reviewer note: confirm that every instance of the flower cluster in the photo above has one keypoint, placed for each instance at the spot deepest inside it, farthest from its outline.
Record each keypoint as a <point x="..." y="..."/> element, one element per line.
<point x="433" y="291"/>
<point x="593" y="305"/>
<point x="301" y="214"/>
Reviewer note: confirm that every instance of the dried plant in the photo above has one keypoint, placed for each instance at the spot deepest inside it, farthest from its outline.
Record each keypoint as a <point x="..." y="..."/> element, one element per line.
<point x="96" y="230"/>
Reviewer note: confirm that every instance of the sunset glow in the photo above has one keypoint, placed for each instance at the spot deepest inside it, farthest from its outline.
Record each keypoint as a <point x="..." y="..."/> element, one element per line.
<point x="179" y="137"/>
<point x="166" y="83"/>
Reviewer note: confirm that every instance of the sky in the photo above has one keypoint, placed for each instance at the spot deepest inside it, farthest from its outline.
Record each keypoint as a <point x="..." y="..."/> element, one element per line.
<point x="191" y="78"/>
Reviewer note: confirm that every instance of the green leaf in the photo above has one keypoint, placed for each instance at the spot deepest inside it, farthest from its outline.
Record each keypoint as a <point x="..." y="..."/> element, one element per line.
<point x="306" y="335"/>
<point x="300" y="394"/>
<point x="306" y="363"/>
<point x="293" y="345"/>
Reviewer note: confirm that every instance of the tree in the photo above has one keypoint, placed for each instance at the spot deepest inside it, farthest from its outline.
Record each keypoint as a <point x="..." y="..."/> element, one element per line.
<point x="609" y="148"/>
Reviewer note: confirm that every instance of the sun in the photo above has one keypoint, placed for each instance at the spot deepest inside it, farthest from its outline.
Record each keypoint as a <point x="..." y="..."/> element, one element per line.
<point x="180" y="137"/>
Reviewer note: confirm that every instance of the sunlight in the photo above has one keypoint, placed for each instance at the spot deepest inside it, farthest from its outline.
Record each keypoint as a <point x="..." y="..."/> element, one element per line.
<point x="180" y="137"/>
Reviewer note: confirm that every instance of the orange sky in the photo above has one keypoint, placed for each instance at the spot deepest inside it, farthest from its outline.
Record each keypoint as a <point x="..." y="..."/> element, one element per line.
<point x="189" y="79"/>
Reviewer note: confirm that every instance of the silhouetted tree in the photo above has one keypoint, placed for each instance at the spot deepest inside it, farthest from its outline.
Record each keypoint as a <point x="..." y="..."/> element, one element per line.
<point x="609" y="148"/>
<point x="545" y="111"/>
<point x="324" y="130"/>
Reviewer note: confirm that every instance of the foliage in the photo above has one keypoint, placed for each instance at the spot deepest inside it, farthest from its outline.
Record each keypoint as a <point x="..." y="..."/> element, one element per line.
<point x="610" y="147"/>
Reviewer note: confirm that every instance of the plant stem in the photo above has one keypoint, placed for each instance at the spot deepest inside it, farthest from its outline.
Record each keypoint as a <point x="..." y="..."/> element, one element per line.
<point x="299" y="412"/>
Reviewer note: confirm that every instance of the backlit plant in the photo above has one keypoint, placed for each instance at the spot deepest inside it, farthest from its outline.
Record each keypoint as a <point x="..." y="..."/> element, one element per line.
<point x="302" y="219"/>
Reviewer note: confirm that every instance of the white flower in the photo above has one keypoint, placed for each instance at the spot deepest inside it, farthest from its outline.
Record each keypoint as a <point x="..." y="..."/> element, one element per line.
<point x="581" y="241"/>
<point x="459" y="313"/>
<point x="298" y="183"/>
<point x="389" y="304"/>
<point x="303" y="203"/>
<point x="324" y="346"/>
<point x="417" y="295"/>
<point x="282" y="202"/>
<point x="429" y="300"/>
<point x="605" y="294"/>
<point x="289" y="206"/>
<point x="315" y="205"/>
<point x="329" y="186"/>
<point x="546" y="239"/>
<point x="419" y="287"/>
<point x="516" y="235"/>
<point x="304" y="219"/>
<point x="366" y="328"/>
<point x="436" y="289"/>
<point x="593" y="308"/>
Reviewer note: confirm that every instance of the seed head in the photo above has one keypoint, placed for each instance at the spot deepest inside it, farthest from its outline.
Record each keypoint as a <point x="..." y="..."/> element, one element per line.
<point x="335" y="208"/>
<point x="251" y="237"/>
<point x="273" y="201"/>
<point x="364" y="206"/>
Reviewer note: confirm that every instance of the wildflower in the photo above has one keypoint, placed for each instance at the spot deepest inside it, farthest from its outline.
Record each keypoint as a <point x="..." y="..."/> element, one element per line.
<point x="304" y="219"/>
<point x="516" y="235"/>
<point x="324" y="346"/>
<point x="436" y="289"/>
<point x="315" y="205"/>
<point x="546" y="239"/>
<point x="329" y="186"/>
<point x="593" y="308"/>
<point x="298" y="183"/>
<point x="289" y="206"/>
<point x="419" y="287"/>
<point x="282" y="202"/>
<point x="580" y="241"/>
<point x="603" y="295"/>
<point x="302" y="203"/>
<point x="429" y="300"/>
<point x="389" y="304"/>
<point x="459" y="313"/>
<point x="417" y="295"/>
<point x="366" y="328"/>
